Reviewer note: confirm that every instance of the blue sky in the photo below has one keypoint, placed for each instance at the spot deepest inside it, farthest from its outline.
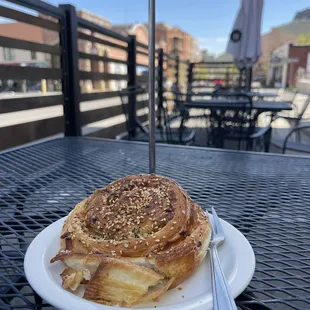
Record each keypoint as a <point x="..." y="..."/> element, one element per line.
<point x="209" y="21"/>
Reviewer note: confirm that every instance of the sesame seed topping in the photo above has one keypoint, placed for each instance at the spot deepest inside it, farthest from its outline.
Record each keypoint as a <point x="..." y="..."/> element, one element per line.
<point x="126" y="245"/>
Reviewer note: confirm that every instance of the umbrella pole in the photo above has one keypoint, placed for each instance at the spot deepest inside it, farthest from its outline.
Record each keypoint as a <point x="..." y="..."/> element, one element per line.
<point x="151" y="50"/>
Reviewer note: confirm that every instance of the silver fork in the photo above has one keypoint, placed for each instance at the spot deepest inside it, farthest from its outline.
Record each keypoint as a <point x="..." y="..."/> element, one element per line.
<point x="222" y="298"/>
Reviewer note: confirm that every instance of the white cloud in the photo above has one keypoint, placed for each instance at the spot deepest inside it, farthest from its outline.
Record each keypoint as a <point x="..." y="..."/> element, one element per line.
<point x="221" y="39"/>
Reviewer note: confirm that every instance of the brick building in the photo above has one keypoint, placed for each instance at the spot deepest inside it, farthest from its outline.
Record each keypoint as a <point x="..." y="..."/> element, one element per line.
<point x="172" y="39"/>
<point x="21" y="57"/>
<point x="286" y="62"/>
<point x="141" y="33"/>
<point x="175" y="41"/>
<point x="25" y="32"/>
<point x="278" y="37"/>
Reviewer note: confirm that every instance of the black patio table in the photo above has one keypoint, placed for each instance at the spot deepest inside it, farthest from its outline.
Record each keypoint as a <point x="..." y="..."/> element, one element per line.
<point x="236" y="104"/>
<point x="265" y="196"/>
<point x="250" y="94"/>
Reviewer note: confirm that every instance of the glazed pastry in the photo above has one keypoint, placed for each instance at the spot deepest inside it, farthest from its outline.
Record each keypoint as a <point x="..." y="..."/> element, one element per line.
<point x="133" y="240"/>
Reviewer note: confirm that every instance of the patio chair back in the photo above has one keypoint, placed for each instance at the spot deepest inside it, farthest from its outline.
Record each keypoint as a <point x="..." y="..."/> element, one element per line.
<point x="141" y="97"/>
<point x="179" y="98"/>
<point x="163" y="134"/>
<point x="304" y="107"/>
<point x="233" y="124"/>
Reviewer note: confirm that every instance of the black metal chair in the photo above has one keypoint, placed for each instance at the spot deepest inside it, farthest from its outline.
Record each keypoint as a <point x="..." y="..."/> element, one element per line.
<point x="140" y="131"/>
<point x="234" y="125"/>
<point x="295" y="127"/>
<point x="302" y="145"/>
<point x="164" y="133"/>
<point x="298" y="114"/>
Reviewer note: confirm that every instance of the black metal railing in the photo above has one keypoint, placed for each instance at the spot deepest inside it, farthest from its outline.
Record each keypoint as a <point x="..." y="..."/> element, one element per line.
<point x="69" y="31"/>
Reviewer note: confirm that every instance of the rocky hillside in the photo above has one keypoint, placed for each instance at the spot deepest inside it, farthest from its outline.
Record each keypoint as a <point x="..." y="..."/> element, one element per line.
<point x="303" y="15"/>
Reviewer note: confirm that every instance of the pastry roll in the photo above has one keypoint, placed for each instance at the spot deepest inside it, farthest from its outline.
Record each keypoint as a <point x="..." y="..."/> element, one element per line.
<point x="132" y="240"/>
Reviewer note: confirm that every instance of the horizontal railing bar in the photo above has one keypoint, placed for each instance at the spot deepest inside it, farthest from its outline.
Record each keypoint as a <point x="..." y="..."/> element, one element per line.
<point x="40" y="6"/>
<point x="142" y="78"/>
<point x="28" y="73"/>
<point x="86" y="75"/>
<point x="28" y="19"/>
<point x="142" y="65"/>
<point x="94" y="27"/>
<point x="197" y="76"/>
<point x="210" y="79"/>
<point x="84" y="36"/>
<point x="107" y="112"/>
<point x="101" y="58"/>
<point x="26" y="132"/>
<point x="139" y="44"/>
<point x="142" y="53"/>
<point x="29" y="46"/>
<point x="214" y="63"/>
<point x="98" y="95"/>
<point x="214" y="70"/>
<point x="20" y="103"/>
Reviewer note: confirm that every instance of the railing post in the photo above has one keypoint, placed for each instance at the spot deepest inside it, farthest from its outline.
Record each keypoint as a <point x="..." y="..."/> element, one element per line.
<point x="160" y="73"/>
<point x="132" y="77"/>
<point x="189" y="81"/>
<point x="249" y="78"/>
<point x="177" y="67"/>
<point x="70" y="71"/>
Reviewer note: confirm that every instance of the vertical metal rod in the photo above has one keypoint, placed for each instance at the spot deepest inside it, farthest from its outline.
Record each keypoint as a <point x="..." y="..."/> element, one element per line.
<point x="70" y="70"/>
<point x="152" y="168"/>
<point x="132" y="85"/>
<point x="160" y="86"/>
<point x="177" y="69"/>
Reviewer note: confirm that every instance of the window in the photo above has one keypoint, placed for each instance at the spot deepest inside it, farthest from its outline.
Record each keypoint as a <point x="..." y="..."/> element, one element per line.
<point x="117" y="69"/>
<point x="176" y="42"/>
<point x="8" y="54"/>
<point x="33" y="55"/>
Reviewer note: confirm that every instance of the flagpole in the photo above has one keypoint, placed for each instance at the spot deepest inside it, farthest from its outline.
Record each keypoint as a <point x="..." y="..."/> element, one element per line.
<point x="151" y="50"/>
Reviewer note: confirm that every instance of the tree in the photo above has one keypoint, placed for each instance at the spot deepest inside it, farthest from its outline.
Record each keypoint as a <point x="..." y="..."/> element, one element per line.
<point x="303" y="39"/>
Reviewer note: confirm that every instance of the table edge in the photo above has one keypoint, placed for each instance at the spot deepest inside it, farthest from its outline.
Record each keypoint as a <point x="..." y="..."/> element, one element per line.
<point x="206" y="149"/>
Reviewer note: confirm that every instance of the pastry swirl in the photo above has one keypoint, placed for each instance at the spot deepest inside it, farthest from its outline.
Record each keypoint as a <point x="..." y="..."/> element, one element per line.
<point x="143" y="229"/>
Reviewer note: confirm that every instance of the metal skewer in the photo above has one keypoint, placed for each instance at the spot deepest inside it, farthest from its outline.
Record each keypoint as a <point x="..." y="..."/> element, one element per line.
<point x="151" y="50"/>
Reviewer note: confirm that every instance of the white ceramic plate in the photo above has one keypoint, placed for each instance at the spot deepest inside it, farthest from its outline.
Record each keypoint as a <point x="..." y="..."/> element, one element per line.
<point x="236" y="255"/>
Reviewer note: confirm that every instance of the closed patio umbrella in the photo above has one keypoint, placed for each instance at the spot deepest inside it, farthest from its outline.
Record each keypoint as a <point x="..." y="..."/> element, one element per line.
<point x="245" y="43"/>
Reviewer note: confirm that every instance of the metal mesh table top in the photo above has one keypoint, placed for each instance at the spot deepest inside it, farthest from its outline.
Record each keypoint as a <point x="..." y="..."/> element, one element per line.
<point x="265" y="196"/>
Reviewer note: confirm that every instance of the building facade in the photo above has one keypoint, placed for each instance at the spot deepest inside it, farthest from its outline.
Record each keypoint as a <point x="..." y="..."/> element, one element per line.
<point x="25" y="32"/>
<point x="172" y="39"/>
<point x="286" y="63"/>
<point x="277" y="37"/>
<point x="175" y="41"/>
<point x="141" y="33"/>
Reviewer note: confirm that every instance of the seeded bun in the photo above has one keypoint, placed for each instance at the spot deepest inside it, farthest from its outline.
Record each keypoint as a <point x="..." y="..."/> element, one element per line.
<point x="132" y="240"/>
